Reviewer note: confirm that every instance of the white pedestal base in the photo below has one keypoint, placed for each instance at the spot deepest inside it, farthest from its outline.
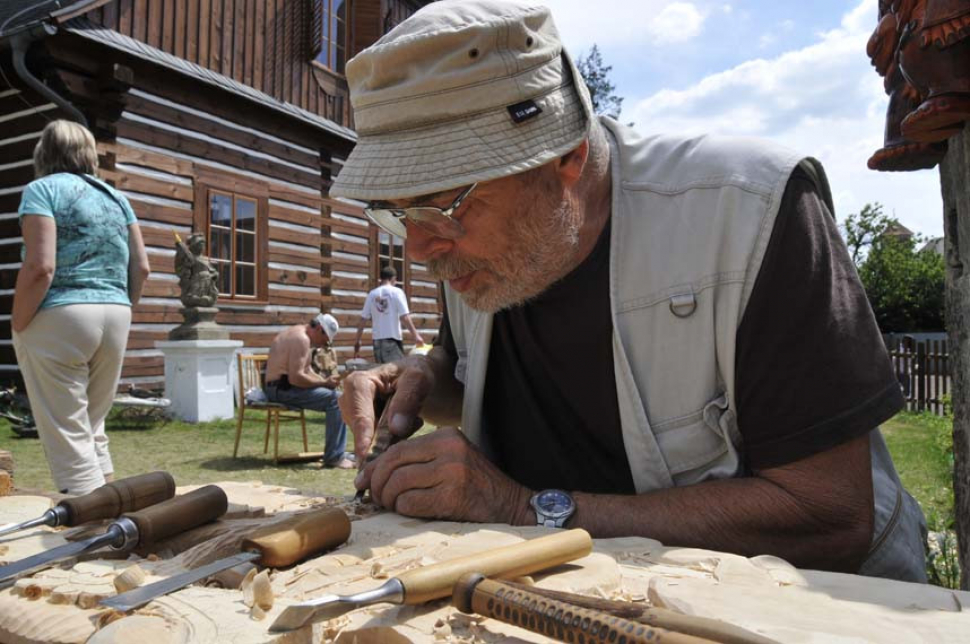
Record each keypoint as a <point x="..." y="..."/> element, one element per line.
<point x="198" y="378"/>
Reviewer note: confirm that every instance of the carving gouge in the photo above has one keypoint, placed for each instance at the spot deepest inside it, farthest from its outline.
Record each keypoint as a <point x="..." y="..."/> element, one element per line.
<point x="276" y="545"/>
<point x="107" y="502"/>
<point x="576" y="618"/>
<point x="420" y="585"/>
<point x="133" y="529"/>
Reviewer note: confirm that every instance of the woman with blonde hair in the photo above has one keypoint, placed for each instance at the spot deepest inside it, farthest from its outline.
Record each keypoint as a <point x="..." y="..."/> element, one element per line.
<point x="84" y="265"/>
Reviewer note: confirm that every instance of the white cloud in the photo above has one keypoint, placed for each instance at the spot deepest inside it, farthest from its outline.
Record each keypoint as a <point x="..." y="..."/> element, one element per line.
<point x="677" y="22"/>
<point x="824" y="100"/>
<point x="767" y="40"/>
<point x="621" y="23"/>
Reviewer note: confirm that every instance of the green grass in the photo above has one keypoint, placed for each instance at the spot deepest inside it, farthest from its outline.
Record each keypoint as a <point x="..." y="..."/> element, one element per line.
<point x="921" y="445"/>
<point x="194" y="453"/>
<point x="922" y="448"/>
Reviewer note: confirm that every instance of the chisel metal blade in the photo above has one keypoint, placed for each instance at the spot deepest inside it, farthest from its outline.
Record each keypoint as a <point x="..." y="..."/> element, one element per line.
<point x="10" y="572"/>
<point x="279" y="544"/>
<point x="140" y="596"/>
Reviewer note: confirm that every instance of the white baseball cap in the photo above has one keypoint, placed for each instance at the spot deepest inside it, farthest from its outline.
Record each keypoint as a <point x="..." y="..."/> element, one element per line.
<point x="328" y="323"/>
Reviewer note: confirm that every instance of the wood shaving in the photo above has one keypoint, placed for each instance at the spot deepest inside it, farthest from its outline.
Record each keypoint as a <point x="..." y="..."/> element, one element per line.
<point x="377" y="571"/>
<point x="106" y="617"/>
<point x="129" y="578"/>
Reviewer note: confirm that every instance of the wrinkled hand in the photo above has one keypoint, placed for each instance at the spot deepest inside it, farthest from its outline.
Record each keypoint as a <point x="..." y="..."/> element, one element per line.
<point x="410" y="380"/>
<point x="443" y="476"/>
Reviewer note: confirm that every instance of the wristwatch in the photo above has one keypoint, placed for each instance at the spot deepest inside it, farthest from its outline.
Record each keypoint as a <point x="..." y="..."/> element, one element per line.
<point x="553" y="507"/>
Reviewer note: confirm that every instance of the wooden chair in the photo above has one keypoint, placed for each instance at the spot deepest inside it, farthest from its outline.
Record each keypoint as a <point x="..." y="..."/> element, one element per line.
<point x="252" y="370"/>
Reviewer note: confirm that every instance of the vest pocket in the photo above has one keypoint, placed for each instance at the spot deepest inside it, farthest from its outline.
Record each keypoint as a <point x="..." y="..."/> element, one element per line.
<point x="691" y="444"/>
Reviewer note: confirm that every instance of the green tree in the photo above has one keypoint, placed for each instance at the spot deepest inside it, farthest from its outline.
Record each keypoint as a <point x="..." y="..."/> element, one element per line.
<point x="863" y="228"/>
<point x="905" y="285"/>
<point x="597" y="77"/>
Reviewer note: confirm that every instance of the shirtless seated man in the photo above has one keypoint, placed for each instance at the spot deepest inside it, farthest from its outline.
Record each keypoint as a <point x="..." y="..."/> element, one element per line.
<point x="291" y="381"/>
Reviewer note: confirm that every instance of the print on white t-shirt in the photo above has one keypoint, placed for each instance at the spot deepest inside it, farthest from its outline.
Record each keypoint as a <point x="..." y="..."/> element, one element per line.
<point x="384" y="307"/>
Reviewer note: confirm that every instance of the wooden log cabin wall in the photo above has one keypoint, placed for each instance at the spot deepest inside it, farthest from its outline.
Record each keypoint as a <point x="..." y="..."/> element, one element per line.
<point x="227" y="117"/>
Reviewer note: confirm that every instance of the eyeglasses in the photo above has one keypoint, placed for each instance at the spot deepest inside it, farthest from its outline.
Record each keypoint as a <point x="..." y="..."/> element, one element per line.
<point x="437" y="221"/>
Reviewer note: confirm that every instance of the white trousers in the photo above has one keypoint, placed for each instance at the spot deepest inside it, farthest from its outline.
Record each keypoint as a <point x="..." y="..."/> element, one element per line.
<point x="71" y="357"/>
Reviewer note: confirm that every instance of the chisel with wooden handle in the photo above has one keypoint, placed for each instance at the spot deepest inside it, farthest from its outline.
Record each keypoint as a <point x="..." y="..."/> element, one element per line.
<point x="276" y="545"/>
<point x="426" y="583"/>
<point x="109" y="501"/>
<point x="141" y="528"/>
<point x="575" y="618"/>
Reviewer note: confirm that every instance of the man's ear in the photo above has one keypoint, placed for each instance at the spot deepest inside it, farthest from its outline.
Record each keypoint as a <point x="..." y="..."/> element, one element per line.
<point x="570" y="166"/>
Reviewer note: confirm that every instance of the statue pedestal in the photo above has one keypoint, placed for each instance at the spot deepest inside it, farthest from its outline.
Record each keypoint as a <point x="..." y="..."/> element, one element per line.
<point x="198" y="378"/>
<point x="199" y="324"/>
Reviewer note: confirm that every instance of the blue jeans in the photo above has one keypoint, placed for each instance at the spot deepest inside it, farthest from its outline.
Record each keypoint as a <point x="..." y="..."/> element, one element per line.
<point x="317" y="399"/>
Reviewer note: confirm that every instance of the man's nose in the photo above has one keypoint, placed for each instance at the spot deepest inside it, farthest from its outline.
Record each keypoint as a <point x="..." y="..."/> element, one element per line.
<point x="422" y="245"/>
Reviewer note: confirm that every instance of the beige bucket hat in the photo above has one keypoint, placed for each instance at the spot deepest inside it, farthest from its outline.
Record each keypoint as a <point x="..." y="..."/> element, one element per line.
<point x="460" y="92"/>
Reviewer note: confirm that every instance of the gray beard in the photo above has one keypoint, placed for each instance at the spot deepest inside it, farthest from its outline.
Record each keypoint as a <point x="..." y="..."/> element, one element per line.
<point x="542" y="248"/>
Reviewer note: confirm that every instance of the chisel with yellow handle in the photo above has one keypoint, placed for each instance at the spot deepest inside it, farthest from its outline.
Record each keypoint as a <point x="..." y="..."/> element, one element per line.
<point x="426" y="583"/>
<point x="109" y="501"/>
<point x="276" y="545"/>
<point x="142" y="528"/>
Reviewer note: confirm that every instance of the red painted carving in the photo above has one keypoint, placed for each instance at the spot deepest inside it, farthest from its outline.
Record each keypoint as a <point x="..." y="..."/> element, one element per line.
<point x="922" y="47"/>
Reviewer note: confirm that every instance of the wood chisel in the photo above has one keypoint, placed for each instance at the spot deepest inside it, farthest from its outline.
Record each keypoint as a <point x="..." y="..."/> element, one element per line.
<point x="423" y="584"/>
<point x="133" y="529"/>
<point x="568" y="617"/>
<point x="276" y="545"/>
<point x="107" y="502"/>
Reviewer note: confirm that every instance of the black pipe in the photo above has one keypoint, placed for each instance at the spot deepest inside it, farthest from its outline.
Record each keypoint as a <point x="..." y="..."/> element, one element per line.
<point x="19" y="44"/>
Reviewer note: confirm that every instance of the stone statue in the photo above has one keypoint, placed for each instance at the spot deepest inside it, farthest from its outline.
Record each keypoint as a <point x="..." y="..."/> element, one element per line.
<point x="198" y="278"/>
<point x="199" y="283"/>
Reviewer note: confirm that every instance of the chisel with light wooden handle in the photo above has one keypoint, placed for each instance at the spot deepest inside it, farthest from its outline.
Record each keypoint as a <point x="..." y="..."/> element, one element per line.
<point x="109" y="501"/>
<point x="276" y="545"/>
<point x="426" y="583"/>
<point x="142" y="528"/>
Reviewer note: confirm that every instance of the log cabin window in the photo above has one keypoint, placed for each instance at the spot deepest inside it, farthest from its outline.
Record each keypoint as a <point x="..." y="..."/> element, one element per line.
<point x="330" y="17"/>
<point x="236" y="228"/>
<point x="390" y="252"/>
<point x="397" y="12"/>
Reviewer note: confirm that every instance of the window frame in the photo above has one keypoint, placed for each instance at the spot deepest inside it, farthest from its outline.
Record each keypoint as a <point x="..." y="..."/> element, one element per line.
<point x="404" y="275"/>
<point x="202" y="220"/>
<point x="323" y="39"/>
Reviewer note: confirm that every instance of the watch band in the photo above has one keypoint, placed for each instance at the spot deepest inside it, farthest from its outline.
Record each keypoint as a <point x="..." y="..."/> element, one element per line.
<point x="545" y="522"/>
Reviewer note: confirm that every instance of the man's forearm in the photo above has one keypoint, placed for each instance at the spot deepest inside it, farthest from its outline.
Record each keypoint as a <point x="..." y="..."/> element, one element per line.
<point x="443" y="405"/>
<point x="415" y="335"/>
<point x="748" y="516"/>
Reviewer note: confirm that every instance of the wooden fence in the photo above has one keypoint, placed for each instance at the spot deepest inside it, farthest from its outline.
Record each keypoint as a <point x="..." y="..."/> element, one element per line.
<point x="923" y="372"/>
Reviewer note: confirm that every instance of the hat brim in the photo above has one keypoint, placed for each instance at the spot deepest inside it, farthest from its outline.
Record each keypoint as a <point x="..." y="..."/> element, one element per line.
<point x="480" y="147"/>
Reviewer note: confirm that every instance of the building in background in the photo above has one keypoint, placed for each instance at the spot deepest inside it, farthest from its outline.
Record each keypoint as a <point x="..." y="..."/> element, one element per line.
<point x="227" y="117"/>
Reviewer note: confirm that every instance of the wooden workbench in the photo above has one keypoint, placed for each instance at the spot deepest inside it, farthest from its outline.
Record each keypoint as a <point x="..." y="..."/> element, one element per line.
<point x="764" y="594"/>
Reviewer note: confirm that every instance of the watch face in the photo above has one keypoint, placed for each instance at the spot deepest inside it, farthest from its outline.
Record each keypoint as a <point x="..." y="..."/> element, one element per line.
<point x="554" y="503"/>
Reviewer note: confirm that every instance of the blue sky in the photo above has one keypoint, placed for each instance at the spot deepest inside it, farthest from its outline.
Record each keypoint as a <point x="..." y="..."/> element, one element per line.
<point x="793" y="72"/>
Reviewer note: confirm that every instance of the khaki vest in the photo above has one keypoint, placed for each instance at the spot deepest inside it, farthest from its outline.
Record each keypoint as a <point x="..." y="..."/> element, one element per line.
<point x="691" y="220"/>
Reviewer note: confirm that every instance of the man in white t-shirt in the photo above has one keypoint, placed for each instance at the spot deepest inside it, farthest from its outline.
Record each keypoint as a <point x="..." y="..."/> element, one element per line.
<point x="386" y="306"/>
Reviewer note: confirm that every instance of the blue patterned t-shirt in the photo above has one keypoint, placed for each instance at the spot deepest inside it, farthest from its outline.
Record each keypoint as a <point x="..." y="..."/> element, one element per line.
<point x="92" y="238"/>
